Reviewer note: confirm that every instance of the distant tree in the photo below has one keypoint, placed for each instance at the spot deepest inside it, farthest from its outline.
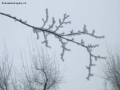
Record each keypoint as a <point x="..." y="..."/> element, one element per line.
<point x="111" y="69"/>
<point x="43" y="74"/>
<point x="5" y="71"/>
<point x="63" y="37"/>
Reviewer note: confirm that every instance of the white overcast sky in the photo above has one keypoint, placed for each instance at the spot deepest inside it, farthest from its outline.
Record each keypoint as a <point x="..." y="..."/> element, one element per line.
<point x="101" y="15"/>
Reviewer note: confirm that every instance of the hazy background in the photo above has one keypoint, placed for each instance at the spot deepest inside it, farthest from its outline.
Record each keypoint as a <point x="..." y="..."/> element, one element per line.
<point x="101" y="15"/>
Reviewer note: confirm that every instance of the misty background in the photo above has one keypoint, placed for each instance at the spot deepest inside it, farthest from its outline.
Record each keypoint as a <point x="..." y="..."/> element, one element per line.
<point x="101" y="15"/>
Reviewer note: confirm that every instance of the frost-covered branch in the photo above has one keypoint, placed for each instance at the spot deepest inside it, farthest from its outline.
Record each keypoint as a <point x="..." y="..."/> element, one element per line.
<point x="63" y="36"/>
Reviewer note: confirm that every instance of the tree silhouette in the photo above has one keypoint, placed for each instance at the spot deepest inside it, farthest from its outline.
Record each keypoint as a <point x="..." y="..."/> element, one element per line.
<point x="5" y="71"/>
<point x="111" y="68"/>
<point x="43" y="74"/>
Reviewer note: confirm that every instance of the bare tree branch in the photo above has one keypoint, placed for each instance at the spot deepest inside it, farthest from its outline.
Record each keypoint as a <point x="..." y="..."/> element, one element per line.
<point x="111" y="68"/>
<point x="63" y="36"/>
<point x="43" y="73"/>
<point x="5" y="71"/>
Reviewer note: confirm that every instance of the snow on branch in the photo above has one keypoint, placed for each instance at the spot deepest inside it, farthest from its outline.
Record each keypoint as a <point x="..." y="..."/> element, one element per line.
<point x="63" y="36"/>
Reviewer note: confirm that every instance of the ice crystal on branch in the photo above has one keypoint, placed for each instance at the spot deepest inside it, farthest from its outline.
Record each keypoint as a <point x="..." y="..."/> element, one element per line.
<point x="63" y="36"/>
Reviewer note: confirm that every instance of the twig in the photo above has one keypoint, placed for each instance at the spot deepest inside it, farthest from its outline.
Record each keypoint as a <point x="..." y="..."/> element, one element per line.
<point x="62" y="36"/>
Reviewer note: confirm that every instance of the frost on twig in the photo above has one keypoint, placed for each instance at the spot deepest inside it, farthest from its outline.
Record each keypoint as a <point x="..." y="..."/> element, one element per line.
<point x="64" y="36"/>
<point x="63" y="48"/>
